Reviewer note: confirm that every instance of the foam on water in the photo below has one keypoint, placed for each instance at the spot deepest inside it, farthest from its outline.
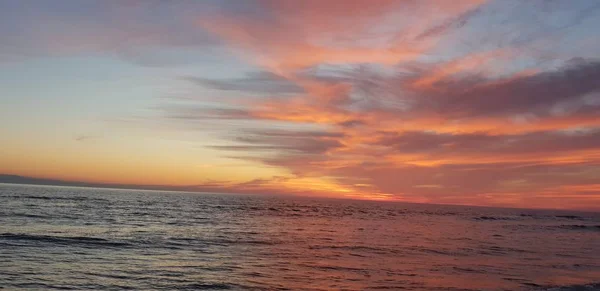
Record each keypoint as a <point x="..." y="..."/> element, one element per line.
<point x="81" y="239"/>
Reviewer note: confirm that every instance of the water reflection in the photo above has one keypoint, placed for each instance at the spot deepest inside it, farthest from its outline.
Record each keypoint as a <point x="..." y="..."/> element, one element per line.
<point x="82" y="239"/>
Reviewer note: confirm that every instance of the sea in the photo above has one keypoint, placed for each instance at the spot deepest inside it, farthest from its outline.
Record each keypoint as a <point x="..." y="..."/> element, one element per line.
<point x="70" y="238"/>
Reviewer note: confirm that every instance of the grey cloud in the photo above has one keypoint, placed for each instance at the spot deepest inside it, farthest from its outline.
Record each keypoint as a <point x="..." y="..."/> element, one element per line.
<point x="482" y="143"/>
<point x="449" y="25"/>
<point x="464" y="180"/>
<point x="535" y="93"/>
<point x="473" y="95"/>
<point x="256" y="82"/>
<point x="285" y="142"/>
<point x="190" y="112"/>
<point x="134" y="31"/>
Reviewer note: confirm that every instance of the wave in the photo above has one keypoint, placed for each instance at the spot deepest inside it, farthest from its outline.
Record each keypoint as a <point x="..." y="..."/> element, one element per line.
<point x="585" y="287"/>
<point x="62" y="240"/>
<point x="579" y="227"/>
<point x="377" y="250"/>
<point x="494" y="218"/>
<point x="54" y="198"/>
<point x="26" y="215"/>
<point x="206" y="286"/>
<point x="524" y="216"/>
<point x="95" y="242"/>
<point x="573" y="217"/>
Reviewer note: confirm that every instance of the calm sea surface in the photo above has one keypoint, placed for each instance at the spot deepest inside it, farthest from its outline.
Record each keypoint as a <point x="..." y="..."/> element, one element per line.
<point x="82" y="239"/>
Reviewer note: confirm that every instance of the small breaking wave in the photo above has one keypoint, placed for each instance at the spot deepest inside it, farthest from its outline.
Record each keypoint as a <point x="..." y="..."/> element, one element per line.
<point x="579" y="227"/>
<point x="572" y="217"/>
<point x="494" y="218"/>
<point x="39" y="197"/>
<point x="358" y="248"/>
<point x="585" y="287"/>
<point x="62" y="240"/>
<point x="27" y="215"/>
<point x="206" y="286"/>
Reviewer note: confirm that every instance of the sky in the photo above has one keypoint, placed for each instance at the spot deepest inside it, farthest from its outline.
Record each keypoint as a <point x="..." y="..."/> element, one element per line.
<point x="470" y="102"/>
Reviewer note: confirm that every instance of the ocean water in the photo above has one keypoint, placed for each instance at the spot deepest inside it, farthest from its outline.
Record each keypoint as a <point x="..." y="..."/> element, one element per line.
<point x="82" y="239"/>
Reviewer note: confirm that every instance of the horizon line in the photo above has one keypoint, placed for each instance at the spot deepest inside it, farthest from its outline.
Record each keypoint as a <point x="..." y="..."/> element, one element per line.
<point x="35" y="181"/>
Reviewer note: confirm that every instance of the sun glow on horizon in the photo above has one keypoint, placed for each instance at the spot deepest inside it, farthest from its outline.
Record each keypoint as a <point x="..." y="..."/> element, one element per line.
<point x="463" y="102"/>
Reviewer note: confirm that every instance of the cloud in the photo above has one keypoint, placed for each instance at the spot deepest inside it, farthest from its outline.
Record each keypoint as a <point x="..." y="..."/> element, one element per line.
<point x="292" y="35"/>
<point x="470" y="101"/>
<point x="450" y="24"/>
<point x="396" y="122"/>
<point x="254" y="83"/>
<point x="285" y="142"/>
<point x="133" y="32"/>
<point x="84" y="137"/>
<point x="482" y="145"/>
<point x="474" y="95"/>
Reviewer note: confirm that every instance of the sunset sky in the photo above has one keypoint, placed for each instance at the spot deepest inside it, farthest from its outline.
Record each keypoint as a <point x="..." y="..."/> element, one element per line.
<point x="463" y="102"/>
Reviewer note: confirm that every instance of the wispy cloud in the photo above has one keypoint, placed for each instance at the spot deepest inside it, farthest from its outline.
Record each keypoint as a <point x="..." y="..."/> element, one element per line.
<point x="395" y="114"/>
<point x="467" y="101"/>
<point x="254" y="83"/>
<point x="131" y="30"/>
<point x="83" y="137"/>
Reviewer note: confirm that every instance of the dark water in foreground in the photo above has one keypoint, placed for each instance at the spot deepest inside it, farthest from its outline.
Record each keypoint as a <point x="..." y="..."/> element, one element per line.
<point x="81" y="239"/>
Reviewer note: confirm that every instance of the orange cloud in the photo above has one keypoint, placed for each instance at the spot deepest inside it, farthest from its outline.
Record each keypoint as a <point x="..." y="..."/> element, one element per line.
<point x="374" y="99"/>
<point x="296" y="35"/>
<point x="412" y="100"/>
